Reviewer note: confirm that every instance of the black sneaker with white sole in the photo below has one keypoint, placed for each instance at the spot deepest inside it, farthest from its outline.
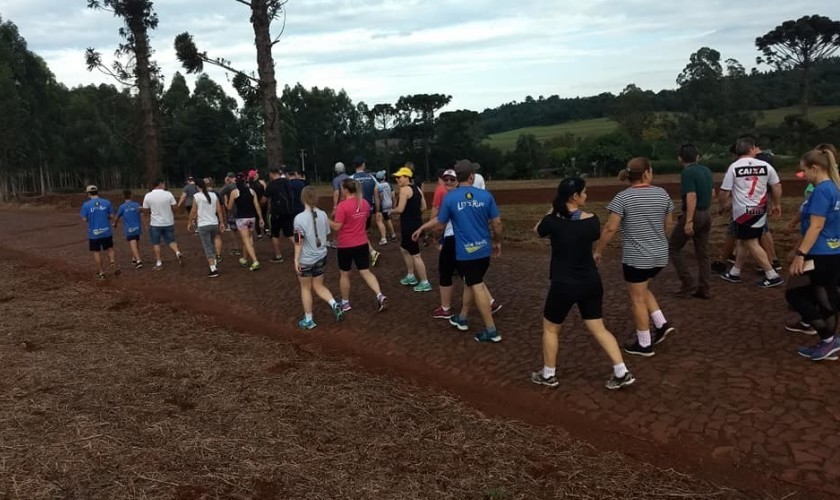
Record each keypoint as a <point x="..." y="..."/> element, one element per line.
<point x="213" y="274"/>
<point x="537" y="378"/>
<point x="732" y="278"/>
<point x="637" y="350"/>
<point x="770" y="282"/>
<point x="615" y="383"/>
<point x="659" y="334"/>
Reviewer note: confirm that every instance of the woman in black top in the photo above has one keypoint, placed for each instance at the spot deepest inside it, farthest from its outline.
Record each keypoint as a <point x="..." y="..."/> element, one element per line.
<point x="574" y="280"/>
<point x="410" y="209"/>
<point x="248" y="212"/>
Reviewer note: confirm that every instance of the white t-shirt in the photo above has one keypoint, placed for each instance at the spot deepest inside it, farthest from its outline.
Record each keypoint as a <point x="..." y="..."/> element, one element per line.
<point x="478" y="183"/>
<point x="160" y="202"/>
<point x="206" y="212"/>
<point x="749" y="179"/>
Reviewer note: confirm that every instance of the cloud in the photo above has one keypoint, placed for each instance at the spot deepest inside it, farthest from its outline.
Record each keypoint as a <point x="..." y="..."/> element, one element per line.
<point x="483" y="52"/>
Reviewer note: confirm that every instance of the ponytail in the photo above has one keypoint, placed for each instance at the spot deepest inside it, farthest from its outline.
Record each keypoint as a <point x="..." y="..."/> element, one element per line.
<point x="823" y="159"/>
<point x="565" y="190"/>
<point x="635" y="170"/>
<point x="202" y="186"/>
<point x="310" y="198"/>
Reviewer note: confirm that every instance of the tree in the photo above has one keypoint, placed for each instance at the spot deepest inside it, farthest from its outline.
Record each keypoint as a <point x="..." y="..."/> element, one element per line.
<point x="263" y="13"/>
<point x="139" y="18"/>
<point x="633" y="111"/>
<point x="416" y="120"/>
<point x="799" y="45"/>
<point x="701" y="83"/>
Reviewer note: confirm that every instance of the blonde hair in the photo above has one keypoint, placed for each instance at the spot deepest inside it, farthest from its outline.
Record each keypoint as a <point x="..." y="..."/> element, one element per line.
<point x="310" y="197"/>
<point x="825" y="160"/>
<point x="635" y="170"/>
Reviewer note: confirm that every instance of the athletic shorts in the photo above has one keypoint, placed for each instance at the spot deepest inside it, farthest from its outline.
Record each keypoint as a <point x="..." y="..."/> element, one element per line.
<point x="386" y="215"/>
<point x="561" y="298"/>
<point x="406" y="243"/>
<point x="636" y="275"/>
<point x="133" y="237"/>
<point x="284" y="223"/>
<point x="446" y="261"/>
<point x="100" y="244"/>
<point x="231" y="223"/>
<point x="249" y="223"/>
<point x="747" y="232"/>
<point x="315" y="270"/>
<point x="473" y="271"/>
<point x="167" y="233"/>
<point x="359" y="255"/>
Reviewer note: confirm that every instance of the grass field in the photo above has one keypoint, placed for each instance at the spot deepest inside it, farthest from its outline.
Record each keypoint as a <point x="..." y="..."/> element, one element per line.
<point x="506" y="141"/>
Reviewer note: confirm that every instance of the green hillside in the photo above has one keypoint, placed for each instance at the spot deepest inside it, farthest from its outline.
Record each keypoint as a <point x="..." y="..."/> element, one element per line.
<point x="506" y="141"/>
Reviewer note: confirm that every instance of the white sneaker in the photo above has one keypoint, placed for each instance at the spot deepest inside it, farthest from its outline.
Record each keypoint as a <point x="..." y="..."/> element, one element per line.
<point x="383" y="241"/>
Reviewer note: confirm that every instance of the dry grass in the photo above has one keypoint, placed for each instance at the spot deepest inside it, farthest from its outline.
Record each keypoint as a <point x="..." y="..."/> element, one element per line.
<point x="105" y="397"/>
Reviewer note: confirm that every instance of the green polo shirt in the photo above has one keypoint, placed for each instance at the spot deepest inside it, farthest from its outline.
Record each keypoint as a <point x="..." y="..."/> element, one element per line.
<point x="697" y="179"/>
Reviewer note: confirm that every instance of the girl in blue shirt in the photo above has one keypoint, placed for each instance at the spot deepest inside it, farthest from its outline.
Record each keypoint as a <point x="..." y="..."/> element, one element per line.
<point x="818" y="255"/>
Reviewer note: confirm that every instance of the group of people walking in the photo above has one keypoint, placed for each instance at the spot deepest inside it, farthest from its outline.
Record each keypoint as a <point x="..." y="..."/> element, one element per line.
<point x="469" y="224"/>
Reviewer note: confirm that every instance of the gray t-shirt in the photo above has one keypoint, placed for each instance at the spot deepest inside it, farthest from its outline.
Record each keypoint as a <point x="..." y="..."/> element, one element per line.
<point x="306" y="227"/>
<point x="643" y="210"/>
<point x="224" y="194"/>
<point x="190" y="190"/>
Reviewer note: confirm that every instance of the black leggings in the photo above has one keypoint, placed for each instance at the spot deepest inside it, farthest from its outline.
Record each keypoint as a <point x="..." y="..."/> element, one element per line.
<point x="816" y="296"/>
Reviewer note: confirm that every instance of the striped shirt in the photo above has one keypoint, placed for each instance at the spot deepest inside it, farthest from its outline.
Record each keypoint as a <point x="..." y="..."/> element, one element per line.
<point x="643" y="209"/>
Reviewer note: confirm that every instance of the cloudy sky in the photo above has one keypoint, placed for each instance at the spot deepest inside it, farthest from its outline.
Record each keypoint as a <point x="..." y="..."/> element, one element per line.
<point x="482" y="52"/>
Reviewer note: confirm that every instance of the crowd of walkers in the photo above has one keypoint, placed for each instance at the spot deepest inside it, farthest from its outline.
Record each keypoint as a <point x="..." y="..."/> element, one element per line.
<point x="467" y="223"/>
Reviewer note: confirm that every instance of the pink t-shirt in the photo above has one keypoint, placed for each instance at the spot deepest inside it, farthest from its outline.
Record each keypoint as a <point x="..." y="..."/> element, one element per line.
<point x="352" y="213"/>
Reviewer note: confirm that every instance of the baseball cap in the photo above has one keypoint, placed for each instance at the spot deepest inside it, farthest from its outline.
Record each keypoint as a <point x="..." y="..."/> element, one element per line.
<point x="403" y="172"/>
<point x="476" y="166"/>
<point x="91" y="189"/>
<point x="339" y="167"/>
<point x="240" y="176"/>
<point x="380" y="175"/>
<point x="231" y="175"/>
<point x="252" y="174"/>
<point x="358" y="160"/>
<point x="464" y="167"/>
<point x="190" y="179"/>
<point x="449" y="173"/>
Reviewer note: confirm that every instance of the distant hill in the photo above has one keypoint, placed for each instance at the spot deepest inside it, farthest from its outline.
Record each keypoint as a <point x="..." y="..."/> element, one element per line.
<point x="506" y="141"/>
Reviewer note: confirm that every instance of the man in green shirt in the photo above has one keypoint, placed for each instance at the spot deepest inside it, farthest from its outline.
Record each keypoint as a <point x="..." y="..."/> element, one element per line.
<point x="694" y="223"/>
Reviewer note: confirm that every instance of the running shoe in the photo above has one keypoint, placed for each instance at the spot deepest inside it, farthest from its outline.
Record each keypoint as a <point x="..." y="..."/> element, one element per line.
<point x="345" y="305"/>
<point x="158" y="267"/>
<point x="383" y="242"/>
<point x="338" y="312"/>
<point x="727" y="276"/>
<point x="138" y="265"/>
<point x="614" y="383"/>
<point x="213" y="274"/>
<point x="441" y="313"/>
<point x="180" y="257"/>
<point x="100" y="276"/>
<point x="719" y="267"/>
<point x="374" y="258"/>
<point x="459" y="323"/>
<point x="636" y="349"/>
<point x="659" y="334"/>
<point x="537" y="378"/>
<point x="307" y="324"/>
<point x="425" y="240"/>
<point x="381" y="303"/>
<point x="116" y="270"/>
<point x="236" y="252"/>
<point x="770" y="282"/>
<point x="219" y="259"/>
<point x="277" y="259"/>
<point x="254" y="267"/>
<point x="823" y="350"/>
<point x="485" y="336"/>
<point x="423" y="286"/>
<point x="243" y="262"/>
<point x="800" y="327"/>
<point x="408" y="281"/>
<point x="393" y="237"/>
<point x="495" y="306"/>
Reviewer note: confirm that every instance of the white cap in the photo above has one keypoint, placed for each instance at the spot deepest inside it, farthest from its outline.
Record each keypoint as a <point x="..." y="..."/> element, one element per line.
<point x="339" y="167"/>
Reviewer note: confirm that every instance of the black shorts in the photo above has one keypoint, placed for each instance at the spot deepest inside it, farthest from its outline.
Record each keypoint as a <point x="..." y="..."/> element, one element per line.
<point x="561" y="298"/>
<point x="386" y="215"/>
<point x="315" y="270"/>
<point x="284" y="223"/>
<point x="446" y="261"/>
<point x="369" y="220"/>
<point x="133" y="237"/>
<point x="473" y="271"/>
<point x="406" y="243"/>
<point x="747" y="232"/>
<point x="359" y="255"/>
<point x="636" y="275"/>
<point x="100" y="244"/>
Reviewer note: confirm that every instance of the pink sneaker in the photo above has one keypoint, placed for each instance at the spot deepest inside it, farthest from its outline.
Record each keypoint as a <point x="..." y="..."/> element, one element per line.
<point x="494" y="307"/>
<point x="441" y="313"/>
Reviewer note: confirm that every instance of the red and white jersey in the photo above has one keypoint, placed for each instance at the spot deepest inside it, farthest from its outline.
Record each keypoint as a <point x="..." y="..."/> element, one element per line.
<point x="749" y="180"/>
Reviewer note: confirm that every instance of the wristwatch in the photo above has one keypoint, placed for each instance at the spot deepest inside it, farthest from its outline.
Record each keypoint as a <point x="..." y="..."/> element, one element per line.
<point x="800" y="253"/>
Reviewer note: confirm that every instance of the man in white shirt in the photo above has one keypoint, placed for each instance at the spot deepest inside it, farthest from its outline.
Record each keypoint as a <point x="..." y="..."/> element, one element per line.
<point x="479" y="179"/>
<point x="159" y="202"/>
<point x="750" y="182"/>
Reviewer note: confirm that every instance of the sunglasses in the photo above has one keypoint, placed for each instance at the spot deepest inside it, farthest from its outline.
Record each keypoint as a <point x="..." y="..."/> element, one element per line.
<point x="450" y="179"/>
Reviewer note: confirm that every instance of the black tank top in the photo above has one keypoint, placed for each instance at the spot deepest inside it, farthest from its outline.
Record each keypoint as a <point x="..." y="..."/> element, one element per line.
<point x="245" y="204"/>
<point x="412" y="216"/>
<point x="258" y="189"/>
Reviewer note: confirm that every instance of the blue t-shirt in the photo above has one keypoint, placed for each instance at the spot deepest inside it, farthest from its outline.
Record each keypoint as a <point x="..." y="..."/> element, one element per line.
<point x="97" y="212"/>
<point x="368" y="182"/>
<point x="470" y="210"/>
<point x="130" y="213"/>
<point x="824" y="202"/>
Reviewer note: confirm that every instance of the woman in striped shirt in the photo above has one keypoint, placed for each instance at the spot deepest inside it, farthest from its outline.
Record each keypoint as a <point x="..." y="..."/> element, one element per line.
<point x="643" y="213"/>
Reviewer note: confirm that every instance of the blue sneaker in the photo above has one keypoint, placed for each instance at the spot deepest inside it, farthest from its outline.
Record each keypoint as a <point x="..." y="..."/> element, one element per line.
<point x="459" y="323"/>
<point x="408" y="281"/>
<point x="423" y="286"/>
<point x="338" y="311"/>
<point x="486" y="336"/>
<point x="822" y="351"/>
<point x="307" y="324"/>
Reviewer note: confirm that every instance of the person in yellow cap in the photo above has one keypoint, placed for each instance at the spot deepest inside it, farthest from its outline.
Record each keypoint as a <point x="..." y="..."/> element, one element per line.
<point x="410" y="208"/>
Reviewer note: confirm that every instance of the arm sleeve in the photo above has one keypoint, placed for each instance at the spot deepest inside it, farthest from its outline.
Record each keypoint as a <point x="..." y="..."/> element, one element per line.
<point x="772" y="176"/>
<point x="616" y="206"/>
<point x="670" y="208"/>
<point x="728" y="180"/>
<point x="444" y="212"/>
<point x="146" y="202"/>
<point x="172" y="199"/>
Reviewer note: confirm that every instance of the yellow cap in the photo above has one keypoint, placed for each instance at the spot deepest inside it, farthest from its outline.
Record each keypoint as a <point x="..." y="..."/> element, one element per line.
<point x="404" y="172"/>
